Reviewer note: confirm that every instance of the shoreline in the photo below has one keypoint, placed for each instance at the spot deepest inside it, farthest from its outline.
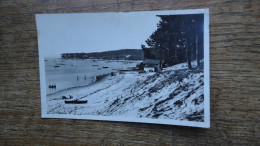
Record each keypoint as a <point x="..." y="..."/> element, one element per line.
<point x="134" y="95"/>
<point x="76" y="87"/>
<point x="84" y="67"/>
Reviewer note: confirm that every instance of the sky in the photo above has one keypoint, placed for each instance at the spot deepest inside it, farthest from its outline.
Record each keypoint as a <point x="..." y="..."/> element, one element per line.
<point x="93" y="32"/>
<point x="96" y="32"/>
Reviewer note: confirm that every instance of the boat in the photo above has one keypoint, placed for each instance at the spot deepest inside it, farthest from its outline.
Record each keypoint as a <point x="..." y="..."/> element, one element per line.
<point x="99" y="77"/>
<point x="105" y="67"/>
<point x="75" y="101"/>
<point x="56" y="63"/>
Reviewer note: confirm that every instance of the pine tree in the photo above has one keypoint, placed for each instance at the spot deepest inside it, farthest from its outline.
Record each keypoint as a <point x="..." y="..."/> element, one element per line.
<point x="178" y="39"/>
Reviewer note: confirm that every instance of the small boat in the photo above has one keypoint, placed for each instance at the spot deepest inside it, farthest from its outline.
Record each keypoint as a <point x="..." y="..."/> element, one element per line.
<point x="75" y="102"/>
<point x="56" y="66"/>
<point x="105" y="67"/>
<point x="113" y="74"/>
<point x="64" y="97"/>
<point x="99" y="77"/>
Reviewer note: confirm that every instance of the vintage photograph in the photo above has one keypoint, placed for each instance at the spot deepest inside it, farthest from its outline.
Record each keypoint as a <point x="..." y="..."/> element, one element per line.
<point x="147" y="66"/>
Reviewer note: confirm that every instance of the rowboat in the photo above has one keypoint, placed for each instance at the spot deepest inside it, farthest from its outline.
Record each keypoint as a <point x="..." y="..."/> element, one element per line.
<point x="75" y="102"/>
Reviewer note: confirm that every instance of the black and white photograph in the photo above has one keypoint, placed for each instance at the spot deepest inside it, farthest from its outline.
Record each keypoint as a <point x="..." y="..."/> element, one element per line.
<point x="146" y="66"/>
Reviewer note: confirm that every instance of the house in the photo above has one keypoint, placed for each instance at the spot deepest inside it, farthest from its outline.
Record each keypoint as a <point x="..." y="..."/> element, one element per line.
<point x="152" y="65"/>
<point x="149" y="69"/>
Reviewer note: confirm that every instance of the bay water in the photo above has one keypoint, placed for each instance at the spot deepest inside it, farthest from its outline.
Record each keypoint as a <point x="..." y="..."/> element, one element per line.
<point x="69" y="73"/>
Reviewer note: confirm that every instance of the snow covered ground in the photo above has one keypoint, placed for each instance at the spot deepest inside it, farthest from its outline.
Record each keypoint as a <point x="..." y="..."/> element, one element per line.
<point x="175" y="93"/>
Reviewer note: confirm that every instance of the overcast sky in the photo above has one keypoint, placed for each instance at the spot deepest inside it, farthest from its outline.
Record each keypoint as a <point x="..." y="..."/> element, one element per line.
<point x="93" y="32"/>
<point x="96" y="32"/>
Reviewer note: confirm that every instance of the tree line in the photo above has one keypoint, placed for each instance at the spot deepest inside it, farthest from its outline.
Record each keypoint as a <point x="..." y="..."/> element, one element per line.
<point x="177" y="39"/>
<point x="123" y="54"/>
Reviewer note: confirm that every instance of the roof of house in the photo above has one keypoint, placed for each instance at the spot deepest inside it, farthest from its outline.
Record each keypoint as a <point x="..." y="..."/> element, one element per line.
<point x="151" y="62"/>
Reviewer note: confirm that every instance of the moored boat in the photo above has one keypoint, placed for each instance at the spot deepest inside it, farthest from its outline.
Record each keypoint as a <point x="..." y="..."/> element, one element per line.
<point x="75" y="101"/>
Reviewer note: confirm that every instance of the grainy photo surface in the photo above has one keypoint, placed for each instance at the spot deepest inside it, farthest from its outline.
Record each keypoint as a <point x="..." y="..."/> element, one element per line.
<point x="150" y="67"/>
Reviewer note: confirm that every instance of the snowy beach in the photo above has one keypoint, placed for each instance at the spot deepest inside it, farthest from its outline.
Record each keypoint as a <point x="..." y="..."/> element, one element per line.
<point x="175" y="93"/>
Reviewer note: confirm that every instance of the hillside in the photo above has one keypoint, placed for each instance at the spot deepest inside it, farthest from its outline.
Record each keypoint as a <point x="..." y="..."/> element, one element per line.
<point x="176" y="93"/>
<point x="128" y="54"/>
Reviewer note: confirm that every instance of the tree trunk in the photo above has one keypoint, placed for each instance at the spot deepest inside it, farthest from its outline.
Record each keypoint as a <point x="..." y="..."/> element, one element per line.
<point x="175" y="51"/>
<point x="189" y="61"/>
<point x="189" y="50"/>
<point x="189" y="56"/>
<point x="197" y="50"/>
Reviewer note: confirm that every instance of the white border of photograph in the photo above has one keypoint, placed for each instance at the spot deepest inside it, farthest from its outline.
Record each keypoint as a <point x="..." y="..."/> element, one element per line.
<point x="205" y="124"/>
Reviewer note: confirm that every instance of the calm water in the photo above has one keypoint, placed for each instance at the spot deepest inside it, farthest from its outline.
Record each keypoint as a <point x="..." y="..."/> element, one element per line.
<point x="78" y="72"/>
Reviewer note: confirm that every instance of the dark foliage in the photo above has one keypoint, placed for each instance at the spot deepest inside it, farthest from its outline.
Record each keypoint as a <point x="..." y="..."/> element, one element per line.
<point x="140" y="66"/>
<point x="178" y="38"/>
<point x="123" y="54"/>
